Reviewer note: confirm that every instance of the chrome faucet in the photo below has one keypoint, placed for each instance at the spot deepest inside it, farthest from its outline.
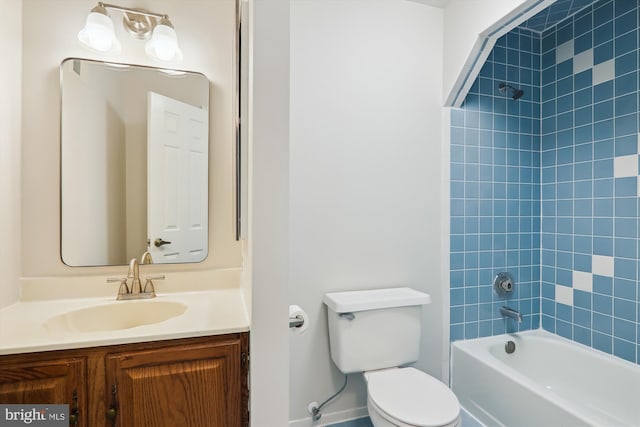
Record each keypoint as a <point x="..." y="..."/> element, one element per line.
<point x="146" y="258"/>
<point x="134" y="290"/>
<point x="134" y="275"/>
<point x="511" y="313"/>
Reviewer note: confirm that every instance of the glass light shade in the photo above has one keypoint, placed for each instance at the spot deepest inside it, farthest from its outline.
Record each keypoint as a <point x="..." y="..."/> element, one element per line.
<point x="98" y="33"/>
<point x="164" y="44"/>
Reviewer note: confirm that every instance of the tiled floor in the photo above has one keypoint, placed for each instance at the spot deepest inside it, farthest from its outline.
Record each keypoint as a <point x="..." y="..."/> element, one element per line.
<point x="360" y="422"/>
<point x="467" y="421"/>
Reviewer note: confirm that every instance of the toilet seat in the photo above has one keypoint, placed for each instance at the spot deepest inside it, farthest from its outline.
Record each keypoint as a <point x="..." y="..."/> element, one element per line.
<point x="410" y="397"/>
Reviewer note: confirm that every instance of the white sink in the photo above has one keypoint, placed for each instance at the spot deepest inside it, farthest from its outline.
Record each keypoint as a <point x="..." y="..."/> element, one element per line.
<point x="116" y="316"/>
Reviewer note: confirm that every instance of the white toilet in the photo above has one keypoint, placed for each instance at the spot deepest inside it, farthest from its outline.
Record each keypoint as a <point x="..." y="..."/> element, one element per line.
<point x="376" y="332"/>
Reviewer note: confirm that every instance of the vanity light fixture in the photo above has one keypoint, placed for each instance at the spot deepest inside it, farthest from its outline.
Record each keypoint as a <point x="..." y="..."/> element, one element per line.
<point x="99" y="33"/>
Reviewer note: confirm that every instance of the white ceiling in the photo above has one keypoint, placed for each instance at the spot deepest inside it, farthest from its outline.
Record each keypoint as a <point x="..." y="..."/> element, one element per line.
<point x="436" y="3"/>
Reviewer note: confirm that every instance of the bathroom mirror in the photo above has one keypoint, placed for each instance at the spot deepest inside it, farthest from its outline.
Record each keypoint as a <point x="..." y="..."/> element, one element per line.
<point x="134" y="163"/>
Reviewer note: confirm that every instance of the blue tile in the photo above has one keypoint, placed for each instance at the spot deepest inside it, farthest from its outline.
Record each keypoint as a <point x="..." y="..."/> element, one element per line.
<point x="564" y="86"/>
<point x="456" y="225"/>
<point x="582" y="335"/>
<point x="583" y="42"/>
<point x="603" y="207"/>
<point x="626" y="84"/>
<point x="582" y="299"/>
<point x="625" y="248"/>
<point x="626" y="207"/>
<point x="625" y="268"/>
<point x="457" y="171"/>
<point x="603" y="130"/>
<point x="457" y="117"/>
<point x="581" y="262"/>
<point x="625" y="310"/>
<point x="624" y="349"/>
<point x="626" y="125"/>
<point x="563" y="69"/>
<point x="582" y="317"/>
<point x="583" y="226"/>
<point x="625" y="330"/>
<point x="603" y="226"/>
<point x="626" y="22"/>
<point x="583" y="116"/>
<point x="624" y="288"/>
<point x="602" y="304"/>
<point x="603" y="246"/>
<point x="603" y="187"/>
<point x="471" y="330"/>
<point x="603" y="342"/>
<point x="603" y="110"/>
<point x="626" y="227"/>
<point x="583" y="134"/>
<point x="603" y="33"/>
<point x="621" y="7"/>
<point x="603" y="168"/>
<point x="564" y="33"/>
<point x="626" y="104"/>
<point x="549" y="91"/>
<point x="582" y="24"/>
<point x="602" y="323"/>
<point x="603" y="91"/>
<point x="626" y="63"/>
<point x="602" y="53"/>
<point x="564" y="329"/>
<point x="456" y="332"/>
<point x="603" y="13"/>
<point x="626" y="145"/>
<point x="626" y="43"/>
<point x="549" y="42"/>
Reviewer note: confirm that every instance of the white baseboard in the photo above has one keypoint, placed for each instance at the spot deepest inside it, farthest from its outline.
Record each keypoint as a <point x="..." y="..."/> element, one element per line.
<point x="331" y="418"/>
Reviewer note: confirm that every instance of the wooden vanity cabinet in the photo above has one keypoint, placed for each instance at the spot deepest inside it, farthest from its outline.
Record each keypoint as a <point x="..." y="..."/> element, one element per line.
<point x="192" y="382"/>
<point x="37" y="380"/>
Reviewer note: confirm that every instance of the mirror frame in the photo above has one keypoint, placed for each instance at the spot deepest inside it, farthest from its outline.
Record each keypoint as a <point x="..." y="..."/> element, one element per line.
<point x="150" y="68"/>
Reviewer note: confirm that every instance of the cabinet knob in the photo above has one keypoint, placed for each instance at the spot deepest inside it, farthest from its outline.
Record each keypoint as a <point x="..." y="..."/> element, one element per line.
<point x="112" y="413"/>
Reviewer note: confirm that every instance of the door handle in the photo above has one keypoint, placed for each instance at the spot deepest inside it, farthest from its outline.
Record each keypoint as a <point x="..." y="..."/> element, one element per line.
<point x="159" y="242"/>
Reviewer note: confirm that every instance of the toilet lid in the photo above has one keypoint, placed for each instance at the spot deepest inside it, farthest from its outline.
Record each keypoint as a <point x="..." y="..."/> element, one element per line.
<point x="413" y="397"/>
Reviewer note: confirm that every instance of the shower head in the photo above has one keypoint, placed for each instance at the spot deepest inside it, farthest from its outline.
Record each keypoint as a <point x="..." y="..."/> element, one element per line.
<point x="515" y="93"/>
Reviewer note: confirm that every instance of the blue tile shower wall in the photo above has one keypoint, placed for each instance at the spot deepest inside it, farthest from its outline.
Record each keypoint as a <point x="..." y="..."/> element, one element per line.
<point x="495" y="192"/>
<point x="584" y="97"/>
<point x="589" y="178"/>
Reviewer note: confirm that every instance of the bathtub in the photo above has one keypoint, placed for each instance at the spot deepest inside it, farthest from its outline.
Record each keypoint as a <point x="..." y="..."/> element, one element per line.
<point x="547" y="381"/>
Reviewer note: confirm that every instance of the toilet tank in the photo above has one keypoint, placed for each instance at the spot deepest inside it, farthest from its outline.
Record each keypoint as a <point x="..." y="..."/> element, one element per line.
<point x="374" y="329"/>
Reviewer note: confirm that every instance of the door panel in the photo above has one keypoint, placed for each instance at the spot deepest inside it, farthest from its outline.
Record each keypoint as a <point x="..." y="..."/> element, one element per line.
<point x="177" y="180"/>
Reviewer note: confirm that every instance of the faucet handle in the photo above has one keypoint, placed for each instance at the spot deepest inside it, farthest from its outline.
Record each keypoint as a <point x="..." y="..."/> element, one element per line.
<point x="123" y="289"/>
<point x="148" y="285"/>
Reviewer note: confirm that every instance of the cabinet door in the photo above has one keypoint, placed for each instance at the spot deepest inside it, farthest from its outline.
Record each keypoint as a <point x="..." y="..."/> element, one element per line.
<point x="56" y="381"/>
<point x="192" y="385"/>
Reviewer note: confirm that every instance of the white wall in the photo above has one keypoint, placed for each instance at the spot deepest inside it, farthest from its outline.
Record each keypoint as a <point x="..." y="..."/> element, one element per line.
<point x="365" y="203"/>
<point x="471" y="28"/>
<point x="95" y="147"/>
<point x="206" y="34"/>
<point x="10" y="145"/>
<point x="269" y="218"/>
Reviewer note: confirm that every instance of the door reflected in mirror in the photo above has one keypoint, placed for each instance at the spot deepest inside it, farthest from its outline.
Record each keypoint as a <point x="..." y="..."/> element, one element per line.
<point x="134" y="164"/>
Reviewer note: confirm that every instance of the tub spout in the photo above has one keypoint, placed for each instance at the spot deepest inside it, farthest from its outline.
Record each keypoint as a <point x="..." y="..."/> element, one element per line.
<point x="511" y="313"/>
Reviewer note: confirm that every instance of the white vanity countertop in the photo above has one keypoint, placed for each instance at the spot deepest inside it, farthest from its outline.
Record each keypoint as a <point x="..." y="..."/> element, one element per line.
<point x="23" y="326"/>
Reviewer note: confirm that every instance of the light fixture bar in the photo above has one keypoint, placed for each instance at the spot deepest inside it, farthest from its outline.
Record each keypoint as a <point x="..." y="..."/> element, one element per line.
<point x="98" y="33"/>
<point x="132" y="10"/>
